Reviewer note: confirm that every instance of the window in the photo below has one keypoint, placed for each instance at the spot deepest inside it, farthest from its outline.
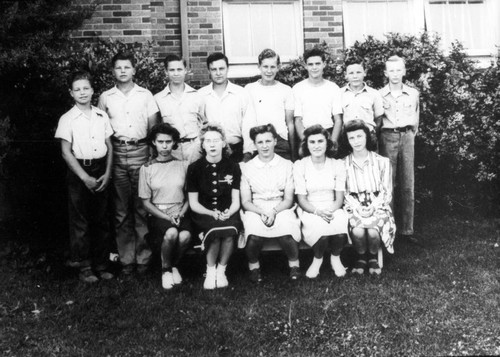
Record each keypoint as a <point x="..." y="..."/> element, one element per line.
<point x="472" y="22"/>
<point x="251" y="26"/>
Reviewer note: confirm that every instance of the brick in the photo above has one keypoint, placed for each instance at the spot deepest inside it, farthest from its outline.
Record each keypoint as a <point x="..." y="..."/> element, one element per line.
<point x="311" y="40"/>
<point x="146" y="19"/>
<point x="156" y="3"/>
<point x="199" y="54"/>
<point x="111" y="7"/>
<point x="145" y="7"/>
<point x="132" y="32"/>
<point x="121" y="1"/>
<point x="192" y="14"/>
<point x="206" y="26"/>
<point x="311" y="29"/>
<point x="214" y="31"/>
<point x="122" y="13"/>
<point x="111" y="20"/>
<point x="319" y="13"/>
<point x="92" y="33"/>
<point x="172" y="14"/>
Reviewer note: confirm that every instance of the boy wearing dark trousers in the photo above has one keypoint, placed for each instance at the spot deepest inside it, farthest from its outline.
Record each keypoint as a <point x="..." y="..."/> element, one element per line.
<point x="397" y="142"/>
<point x="86" y="148"/>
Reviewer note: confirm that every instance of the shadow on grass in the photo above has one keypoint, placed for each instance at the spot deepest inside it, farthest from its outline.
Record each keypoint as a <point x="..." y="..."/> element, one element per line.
<point x="439" y="300"/>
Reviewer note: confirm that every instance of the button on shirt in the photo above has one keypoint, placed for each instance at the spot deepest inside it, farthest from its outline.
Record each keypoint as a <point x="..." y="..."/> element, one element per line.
<point x="86" y="135"/>
<point x="184" y="113"/>
<point x="402" y="110"/>
<point x="317" y="104"/>
<point x="365" y="105"/>
<point x="233" y="111"/>
<point x="129" y="113"/>
<point x="270" y="104"/>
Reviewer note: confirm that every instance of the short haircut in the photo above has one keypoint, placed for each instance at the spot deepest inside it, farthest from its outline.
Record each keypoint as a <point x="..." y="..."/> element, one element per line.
<point x="123" y="56"/>
<point x="395" y="59"/>
<point x="261" y="129"/>
<point x="354" y="60"/>
<point x="79" y="75"/>
<point x="354" y="125"/>
<point x="314" y="52"/>
<point x="215" y="57"/>
<point x="212" y="127"/>
<point x="268" y="53"/>
<point x="314" y="130"/>
<point x="163" y="128"/>
<point x="174" y="58"/>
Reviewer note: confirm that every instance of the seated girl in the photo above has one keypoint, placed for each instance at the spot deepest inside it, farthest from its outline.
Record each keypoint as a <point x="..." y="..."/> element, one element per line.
<point x="319" y="186"/>
<point x="213" y="185"/>
<point x="161" y="188"/>
<point x="267" y="200"/>
<point x="368" y="197"/>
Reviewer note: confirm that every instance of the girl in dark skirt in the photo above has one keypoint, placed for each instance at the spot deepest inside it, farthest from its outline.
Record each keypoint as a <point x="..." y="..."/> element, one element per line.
<point x="161" y="188"/>
<point x="213" y="184"/>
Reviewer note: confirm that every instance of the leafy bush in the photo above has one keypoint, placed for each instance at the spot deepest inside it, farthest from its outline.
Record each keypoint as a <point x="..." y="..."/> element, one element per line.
<point x="457" y="149"/>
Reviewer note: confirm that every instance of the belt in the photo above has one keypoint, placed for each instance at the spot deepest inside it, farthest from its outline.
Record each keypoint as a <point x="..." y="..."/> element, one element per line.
<point x="401" y="129"/>
<point x="188" y="140"/>
<point x="90" y="162"/>
<point x="128" y="142"/>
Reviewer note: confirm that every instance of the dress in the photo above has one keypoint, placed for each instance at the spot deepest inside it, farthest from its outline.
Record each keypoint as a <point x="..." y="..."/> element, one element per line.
<point x="268" y="182"/>
<point x="214" y="183"/>
<point x="371" y="183"/>
<point x="320" y="186"/>
<point x="163" y="184"/>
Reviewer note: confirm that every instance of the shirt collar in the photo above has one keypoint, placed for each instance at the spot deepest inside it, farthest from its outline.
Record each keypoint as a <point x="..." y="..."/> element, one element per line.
<point x="386" y="90"/>
<point x="187" y="89"/>
<point x="260" y="164"/>
<point x="348" y="89"/>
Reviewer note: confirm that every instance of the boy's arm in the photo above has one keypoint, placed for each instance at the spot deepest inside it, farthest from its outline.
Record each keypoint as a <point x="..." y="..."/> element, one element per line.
<point x="89" y="181"/>
<point x="103" y="181"/>
<point x="337" y="128"/>
<point x="153" y="120"/>
<point x="417" y="113"/>
<point x="299" y="127"/>
<point x="291" y="132"/>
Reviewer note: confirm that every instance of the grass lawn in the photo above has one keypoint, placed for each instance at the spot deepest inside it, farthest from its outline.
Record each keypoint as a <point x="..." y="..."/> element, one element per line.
<point x="443" y="299"/>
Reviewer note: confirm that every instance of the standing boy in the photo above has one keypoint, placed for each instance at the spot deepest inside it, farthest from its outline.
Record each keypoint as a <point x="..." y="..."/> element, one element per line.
<point x="228" y="105"/>
<point x="180" y="106"/>
<point x="273" y="103"/>
<point x="132" y="112"/>
<point x="317" y="100"/>
<point x="84" y="132"/>
<point x="359" y="101"/>
<point x="397" y="141"/>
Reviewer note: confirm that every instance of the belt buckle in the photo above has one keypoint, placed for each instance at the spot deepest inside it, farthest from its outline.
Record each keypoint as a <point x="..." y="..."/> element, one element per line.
<point x="87" y="162"/>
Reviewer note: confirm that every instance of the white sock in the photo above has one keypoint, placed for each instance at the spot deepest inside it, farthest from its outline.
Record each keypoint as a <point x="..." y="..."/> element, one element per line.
<point x="293" y="263"/>
<point x="252" y="266"/>
<point x="221" y="267"/>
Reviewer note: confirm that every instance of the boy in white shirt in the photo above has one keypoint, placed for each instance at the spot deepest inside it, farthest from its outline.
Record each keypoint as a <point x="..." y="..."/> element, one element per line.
<point x="273" y="103"/>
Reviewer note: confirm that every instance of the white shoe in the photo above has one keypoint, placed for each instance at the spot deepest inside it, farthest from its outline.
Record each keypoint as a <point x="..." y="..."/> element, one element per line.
<point x="221" y="280"/>
<point x="209" y="283"/>
<point x="337" y="266"/>
<point x="313" y="270"/>
<point x="177" y="276"/>
<point x="167" y="280"/>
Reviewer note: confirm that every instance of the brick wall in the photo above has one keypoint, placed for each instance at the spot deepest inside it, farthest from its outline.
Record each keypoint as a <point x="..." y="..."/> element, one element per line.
<point x="323" y="22"/>
<point x="160" y="21"/>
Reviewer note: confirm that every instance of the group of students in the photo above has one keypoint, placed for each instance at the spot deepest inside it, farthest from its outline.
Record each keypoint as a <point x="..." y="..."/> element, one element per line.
<point x="226" y="163"/>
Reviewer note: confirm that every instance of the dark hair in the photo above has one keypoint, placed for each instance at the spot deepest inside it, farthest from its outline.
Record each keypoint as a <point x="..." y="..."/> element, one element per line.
<point x="78" y="76"/>
<point x="314" y="130"/>
<point x="215" y="57"/>
<point x="163" y="128"/>
<point x="212" y="127"/>
<point x="123" y="56"/>
<point x="261" y="129"/>
<point x="354" y="125"/>
<point x="313" y="52"/>
<point x="174" y="58"/>
<point x="354" y="60"/>
<point x="268" y="53"/>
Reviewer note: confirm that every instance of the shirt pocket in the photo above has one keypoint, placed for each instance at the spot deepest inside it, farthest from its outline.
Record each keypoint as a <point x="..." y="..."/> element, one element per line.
<point x="386" y="104"/>
<point x="408" y="107"/>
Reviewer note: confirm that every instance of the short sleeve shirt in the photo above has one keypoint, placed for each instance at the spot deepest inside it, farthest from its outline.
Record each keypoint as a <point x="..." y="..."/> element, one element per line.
<point x="317" y="104"/>
<point x="267" y="180"/>
<point x="129" y="113"/>
<point x="184" y="113"/>
<point x="402" y="110"/>
<point x="86" y="135"/>
<point x="163" y="182"/>
<point x="214" y="182"/>
<point x="365" y="105"/>
<point x="309" y="180"/>
<point x="233" y="111"/>
<point x="270" y="104"/>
